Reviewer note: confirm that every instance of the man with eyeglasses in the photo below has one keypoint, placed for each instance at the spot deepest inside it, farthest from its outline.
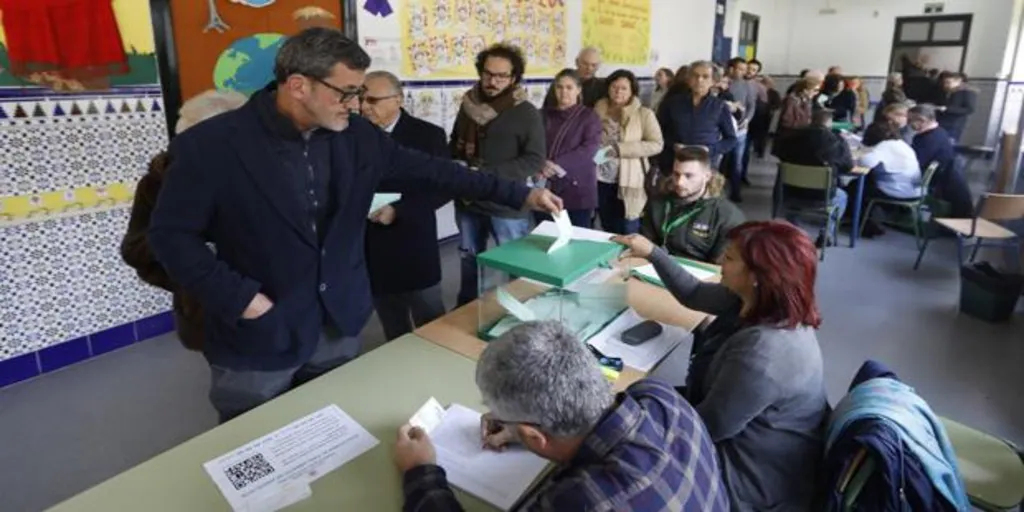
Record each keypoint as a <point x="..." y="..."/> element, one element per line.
<point x="499" y="132"/>
<point x="405" y="296"/>
<point x="645" y="450"/>
<point x="282" y="188"/>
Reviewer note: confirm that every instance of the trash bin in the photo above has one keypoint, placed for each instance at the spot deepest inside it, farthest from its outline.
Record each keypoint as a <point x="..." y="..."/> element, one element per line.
<point x="987" y="293"/>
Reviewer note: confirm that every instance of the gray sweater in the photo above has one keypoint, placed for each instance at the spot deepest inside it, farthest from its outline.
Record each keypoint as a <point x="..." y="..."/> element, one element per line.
<point x="763" y="400"/>
<point x="745" y="92"/>
<point x="514" y="149"/>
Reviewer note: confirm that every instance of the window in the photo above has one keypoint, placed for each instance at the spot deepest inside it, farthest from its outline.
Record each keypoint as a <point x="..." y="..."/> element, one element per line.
<point x="933" y="42"/>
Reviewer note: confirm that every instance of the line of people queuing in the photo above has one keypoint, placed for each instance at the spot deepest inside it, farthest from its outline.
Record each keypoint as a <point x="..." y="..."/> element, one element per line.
<point x="256" y="220"/>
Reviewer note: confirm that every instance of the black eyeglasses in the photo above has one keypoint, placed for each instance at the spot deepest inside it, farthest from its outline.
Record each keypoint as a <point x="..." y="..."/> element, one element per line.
<point x="344" y="95"/>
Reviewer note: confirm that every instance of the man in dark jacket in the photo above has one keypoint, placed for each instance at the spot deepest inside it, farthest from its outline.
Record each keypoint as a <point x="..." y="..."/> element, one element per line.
<point x="696" y="118"/>
<point x="501" y="133"/>
<point x="282" y="188"/>
<point x="957" y="104"/>
<point x="406" y="295"/>
<point x="933" y="144"/>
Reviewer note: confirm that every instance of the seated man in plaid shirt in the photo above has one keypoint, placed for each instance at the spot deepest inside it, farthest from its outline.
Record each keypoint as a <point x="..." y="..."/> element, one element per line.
<point x="643" y="450"/>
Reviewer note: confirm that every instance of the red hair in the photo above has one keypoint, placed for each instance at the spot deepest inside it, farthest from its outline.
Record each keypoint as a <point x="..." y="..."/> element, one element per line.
<point x="784" y="263"/>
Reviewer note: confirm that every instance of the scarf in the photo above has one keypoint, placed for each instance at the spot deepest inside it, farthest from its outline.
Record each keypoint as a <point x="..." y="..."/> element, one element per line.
<point x="476" y="112"/>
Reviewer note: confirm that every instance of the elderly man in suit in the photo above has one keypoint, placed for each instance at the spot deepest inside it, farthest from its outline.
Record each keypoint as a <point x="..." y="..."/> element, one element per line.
<point x="282" y="188"/>
<point x="406" y="290"/>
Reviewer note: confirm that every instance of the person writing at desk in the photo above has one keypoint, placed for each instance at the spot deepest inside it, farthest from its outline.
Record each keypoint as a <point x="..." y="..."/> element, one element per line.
<point x="645" y="450"/>
<point x="687" y="214"/>
<point x="756" y="375"/>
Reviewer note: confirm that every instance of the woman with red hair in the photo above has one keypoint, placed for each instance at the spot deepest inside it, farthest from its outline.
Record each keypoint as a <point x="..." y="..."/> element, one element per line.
<point x="756" y="373"/>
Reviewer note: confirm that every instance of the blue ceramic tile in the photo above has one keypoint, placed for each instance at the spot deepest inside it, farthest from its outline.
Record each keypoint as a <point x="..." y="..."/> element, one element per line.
<point x="17" y="369"/>
<point x="154" y="326"/>
<point x="112" y="339"/>
<point x="67" y="353"/>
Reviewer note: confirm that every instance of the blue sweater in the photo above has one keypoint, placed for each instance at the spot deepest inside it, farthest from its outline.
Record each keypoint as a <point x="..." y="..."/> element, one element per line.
<point x="707" y="124"/>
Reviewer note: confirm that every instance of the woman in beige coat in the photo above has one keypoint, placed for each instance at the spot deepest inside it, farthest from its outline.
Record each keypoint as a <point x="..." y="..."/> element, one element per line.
<point x="630" y="136"/>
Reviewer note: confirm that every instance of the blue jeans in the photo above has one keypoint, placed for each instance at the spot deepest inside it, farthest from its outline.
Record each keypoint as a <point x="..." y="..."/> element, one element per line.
<point x="474" y="230"/>
<point x="735" y="171"/>
<point x="612" y="211"/>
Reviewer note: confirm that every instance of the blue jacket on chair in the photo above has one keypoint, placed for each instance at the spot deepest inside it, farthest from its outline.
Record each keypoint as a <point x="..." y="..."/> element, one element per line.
<point x="226" y="186"/>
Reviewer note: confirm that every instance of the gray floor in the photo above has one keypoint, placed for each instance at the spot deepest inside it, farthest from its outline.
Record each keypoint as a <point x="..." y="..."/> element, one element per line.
<point x="67" y="431"/>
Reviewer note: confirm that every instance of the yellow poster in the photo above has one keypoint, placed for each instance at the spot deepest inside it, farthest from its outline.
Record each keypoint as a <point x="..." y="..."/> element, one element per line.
<point x="440" y="38"/>
<point x="621" y="29"/>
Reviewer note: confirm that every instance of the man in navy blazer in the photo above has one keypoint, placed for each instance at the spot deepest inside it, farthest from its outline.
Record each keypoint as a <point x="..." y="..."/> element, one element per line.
<point x="406" y="295"/>
<point x="281" y="188"/>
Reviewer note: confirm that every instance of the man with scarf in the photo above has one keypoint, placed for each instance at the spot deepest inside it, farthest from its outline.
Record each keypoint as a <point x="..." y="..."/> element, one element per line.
<point x="499" y="132"/>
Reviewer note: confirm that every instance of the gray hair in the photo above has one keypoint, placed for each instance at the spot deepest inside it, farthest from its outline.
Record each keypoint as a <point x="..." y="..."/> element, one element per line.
<point x="925" y="110"/>
<point x="702" y="64"/>
<point x="588" y="49"/>
<point x="205" y="105"/>
<point x="540" y="373"/>
<point x="396" y="84"/>
<point x="314" y="51"/>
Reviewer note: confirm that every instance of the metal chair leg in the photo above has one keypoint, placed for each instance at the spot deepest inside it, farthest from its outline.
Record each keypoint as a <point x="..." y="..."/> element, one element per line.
<point x="865" y="215"/>
<point x="974" y="252"/>
<point x="959" y="250"/>
<point x="920" y="251"/>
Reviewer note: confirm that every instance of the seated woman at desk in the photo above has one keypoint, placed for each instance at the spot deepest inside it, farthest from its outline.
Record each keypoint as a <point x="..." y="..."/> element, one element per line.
<point x="686" y="213"/>
<point x="756" y="373"/>
<point x="895" y="171"/>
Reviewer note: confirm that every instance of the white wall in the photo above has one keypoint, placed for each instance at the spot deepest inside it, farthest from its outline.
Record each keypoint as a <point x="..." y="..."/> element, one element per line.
<point x="681" y="32"/>
<point x="774" y="37"/>
<point x="795" y="35"/>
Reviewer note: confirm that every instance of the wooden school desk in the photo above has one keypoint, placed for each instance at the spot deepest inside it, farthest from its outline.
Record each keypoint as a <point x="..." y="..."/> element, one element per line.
<point x="380" y="390"/>
<point x="457" y="330"/>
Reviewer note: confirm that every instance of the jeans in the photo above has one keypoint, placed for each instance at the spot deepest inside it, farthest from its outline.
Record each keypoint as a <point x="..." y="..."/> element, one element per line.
<point x="735" y="172"/>
<point x="400" y="313"/>
<point x="233" y="392"/>
<point x="612" y="211"/>
<point x="578" y="218"/>
<point x="474" y="229"/>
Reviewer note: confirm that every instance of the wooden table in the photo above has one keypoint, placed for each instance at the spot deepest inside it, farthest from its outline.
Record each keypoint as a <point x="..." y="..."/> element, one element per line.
<point x="380" y="390"/>
<point x="458" y="329"/>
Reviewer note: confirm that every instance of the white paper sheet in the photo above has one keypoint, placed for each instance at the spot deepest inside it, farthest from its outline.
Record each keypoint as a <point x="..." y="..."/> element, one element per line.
<point x="381" y="200"/>
<point x="646" y="355"/>
<point x="275" y="470"/>
<point x="499" y="478"/>
<point x="648" y="272"/>
<point x="548" y="228"/>
<point x="564" y="227"/>
<point x="429" y="416"/>
<point x="513" y="306"/>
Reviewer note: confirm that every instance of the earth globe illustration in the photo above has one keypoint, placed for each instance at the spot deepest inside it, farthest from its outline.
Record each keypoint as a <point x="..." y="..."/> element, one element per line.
<point x="247" y="65"/>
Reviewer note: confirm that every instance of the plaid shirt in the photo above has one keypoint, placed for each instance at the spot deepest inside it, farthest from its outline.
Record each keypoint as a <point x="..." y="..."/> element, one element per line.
<point x="651" y="453"/>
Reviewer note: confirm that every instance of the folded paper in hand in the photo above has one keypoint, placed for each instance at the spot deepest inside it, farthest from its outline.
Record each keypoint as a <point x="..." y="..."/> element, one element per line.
<point x="381" y="200"/>
<point x="429" y="416"/>
<point x="564" y="225"/>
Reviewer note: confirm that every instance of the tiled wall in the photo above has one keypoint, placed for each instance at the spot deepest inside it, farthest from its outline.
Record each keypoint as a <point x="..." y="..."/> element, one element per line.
<point x="65" y="295"/>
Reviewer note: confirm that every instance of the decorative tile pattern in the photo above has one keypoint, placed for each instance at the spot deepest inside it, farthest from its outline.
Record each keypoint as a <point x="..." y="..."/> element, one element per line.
<point x="63" y="278"/>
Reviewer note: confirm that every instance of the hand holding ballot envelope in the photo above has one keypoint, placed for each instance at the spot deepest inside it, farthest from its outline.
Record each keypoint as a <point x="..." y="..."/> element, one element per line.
<point x="542" y="200"/>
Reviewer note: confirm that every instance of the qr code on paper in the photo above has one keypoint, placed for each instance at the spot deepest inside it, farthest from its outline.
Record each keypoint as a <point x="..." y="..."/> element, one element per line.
<point x="249" y="471"/>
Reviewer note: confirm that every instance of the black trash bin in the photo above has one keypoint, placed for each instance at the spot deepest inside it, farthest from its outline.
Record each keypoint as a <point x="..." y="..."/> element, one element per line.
<point x="989" y="294"/>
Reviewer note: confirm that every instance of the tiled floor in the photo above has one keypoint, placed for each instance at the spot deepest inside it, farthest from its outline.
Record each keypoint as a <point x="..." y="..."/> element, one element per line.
<point x="69" y="430"/>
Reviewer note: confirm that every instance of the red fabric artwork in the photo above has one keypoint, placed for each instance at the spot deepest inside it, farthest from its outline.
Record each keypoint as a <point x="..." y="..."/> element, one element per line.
<point x="76" y="38"/>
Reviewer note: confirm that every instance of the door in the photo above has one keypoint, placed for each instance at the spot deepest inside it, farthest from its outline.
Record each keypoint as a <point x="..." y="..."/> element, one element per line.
<point x="750" y="25"/>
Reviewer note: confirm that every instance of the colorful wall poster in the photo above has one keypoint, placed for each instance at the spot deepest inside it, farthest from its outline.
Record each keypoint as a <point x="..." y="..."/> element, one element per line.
<point x="94" y="50"/>
<point x="440" y="38"/>
<point x="621" y="29"/>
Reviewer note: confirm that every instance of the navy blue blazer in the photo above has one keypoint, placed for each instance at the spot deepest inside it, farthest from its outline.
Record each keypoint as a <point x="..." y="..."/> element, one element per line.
<point x="226" y="186"/>
<point x="708" y="124"/>
<point x="404" y="256"/>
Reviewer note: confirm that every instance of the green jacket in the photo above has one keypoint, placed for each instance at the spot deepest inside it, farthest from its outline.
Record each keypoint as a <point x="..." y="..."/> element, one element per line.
<point x="702" y="236"/>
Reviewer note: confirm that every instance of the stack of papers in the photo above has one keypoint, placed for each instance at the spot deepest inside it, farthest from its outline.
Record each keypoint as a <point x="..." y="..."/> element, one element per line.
<point x="647" y="355"/>
<point x="275" y="470"/>
<point x="647" y="273"/>
<point x="499" y="478"/>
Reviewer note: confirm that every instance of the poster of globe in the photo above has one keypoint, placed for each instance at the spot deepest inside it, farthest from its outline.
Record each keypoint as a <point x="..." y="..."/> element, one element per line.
<point x="247" y="64"/>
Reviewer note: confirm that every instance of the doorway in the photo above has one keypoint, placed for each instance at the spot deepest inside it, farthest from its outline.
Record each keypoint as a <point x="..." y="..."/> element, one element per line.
<point x="750" y="25"/>
<point x="930" y="43"/>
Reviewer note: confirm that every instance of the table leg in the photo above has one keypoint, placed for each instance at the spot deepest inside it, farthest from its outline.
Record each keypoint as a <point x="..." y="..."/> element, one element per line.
<point x="857" y="201"/>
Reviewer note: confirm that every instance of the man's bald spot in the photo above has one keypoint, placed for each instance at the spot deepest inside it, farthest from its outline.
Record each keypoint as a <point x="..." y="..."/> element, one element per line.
<point x="587" y="62"/>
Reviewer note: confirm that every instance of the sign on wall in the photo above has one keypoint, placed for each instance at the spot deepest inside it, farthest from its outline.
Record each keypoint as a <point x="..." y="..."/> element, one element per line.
<point x="621" y="29"/>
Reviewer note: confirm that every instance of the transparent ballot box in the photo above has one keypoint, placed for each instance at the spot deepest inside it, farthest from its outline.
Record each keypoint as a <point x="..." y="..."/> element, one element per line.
<point x="581" y="284"/>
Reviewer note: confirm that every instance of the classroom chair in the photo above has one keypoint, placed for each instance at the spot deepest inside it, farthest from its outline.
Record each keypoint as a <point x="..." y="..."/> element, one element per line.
<point x="913" y="206"/>
<point x="992" y="469"/>
<point x="808" y="177"/>
<point x="984" y="227"/>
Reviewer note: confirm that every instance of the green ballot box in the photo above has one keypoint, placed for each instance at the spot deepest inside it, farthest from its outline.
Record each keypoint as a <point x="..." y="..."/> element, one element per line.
<point x="580" y="283"/>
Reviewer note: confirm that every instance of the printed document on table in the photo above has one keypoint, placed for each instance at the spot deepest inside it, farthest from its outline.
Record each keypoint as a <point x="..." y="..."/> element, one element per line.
<point x="499" y="478"/>
<point x="646" y="355"/>
<point x="275" y="470"/>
